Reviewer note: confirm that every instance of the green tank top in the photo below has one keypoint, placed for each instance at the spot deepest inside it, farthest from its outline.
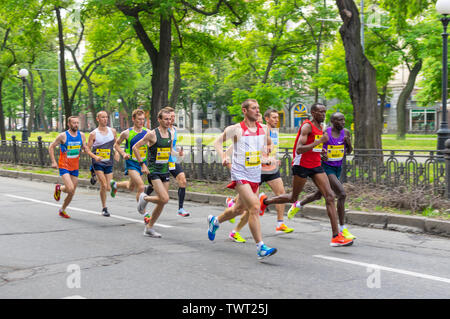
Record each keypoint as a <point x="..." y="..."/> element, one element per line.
<point x="159" y="153"/>
<point x="133" y="138"/>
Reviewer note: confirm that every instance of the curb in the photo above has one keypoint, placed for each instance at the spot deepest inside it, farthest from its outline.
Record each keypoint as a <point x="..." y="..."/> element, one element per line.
<point x="402" y="223"/>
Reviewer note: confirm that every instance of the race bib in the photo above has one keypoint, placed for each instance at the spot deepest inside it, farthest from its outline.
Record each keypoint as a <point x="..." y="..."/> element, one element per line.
<point x="171" y="166"/>
<point x="335" y="153"/>
<point x="105" y="154"/>
<point x="162" y="155"/>
<point x="252" y="159"/>
<point x="142" y="153"/>
<point x="319" y="147"/>
<point x="73" y="149"/>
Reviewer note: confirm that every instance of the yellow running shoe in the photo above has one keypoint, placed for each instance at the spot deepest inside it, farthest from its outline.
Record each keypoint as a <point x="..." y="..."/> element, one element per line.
<point x="236" y="237"/>
<point x="347" y="234"/>
<point x="292" y="211"/>
<point x="232" y="220"/>
<point x="283" y="228"/>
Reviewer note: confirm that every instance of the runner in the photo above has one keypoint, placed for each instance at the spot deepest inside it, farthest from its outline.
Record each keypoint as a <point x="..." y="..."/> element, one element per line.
<point x="270" y="173"/>
<point x="132" y="167"/>
<point x="175" y="168"/>
<point x="160" y="143"/>
<point x="338" y="145"/>
<point x="101" y="141"/>
<point x="248" y="138"/>
<point x="71" y="143"/>
<point x="307" y="163"/>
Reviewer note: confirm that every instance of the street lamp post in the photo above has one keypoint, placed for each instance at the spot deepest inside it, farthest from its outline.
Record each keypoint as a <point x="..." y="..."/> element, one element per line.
<point x="443" y="7"/>
<point x="23" y="73"/>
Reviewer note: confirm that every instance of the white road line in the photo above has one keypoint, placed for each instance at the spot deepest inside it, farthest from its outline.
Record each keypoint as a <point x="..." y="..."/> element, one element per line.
<point x="374" y="266"/>
<point x="84" y="210"/>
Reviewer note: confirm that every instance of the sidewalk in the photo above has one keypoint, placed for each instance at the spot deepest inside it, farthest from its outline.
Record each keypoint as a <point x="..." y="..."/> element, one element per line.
<point x="402" y="223"/>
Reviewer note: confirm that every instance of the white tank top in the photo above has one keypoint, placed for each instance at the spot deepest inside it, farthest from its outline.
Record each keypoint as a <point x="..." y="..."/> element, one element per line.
<point x="246" y="162"/>
<point x="101" y="139"/>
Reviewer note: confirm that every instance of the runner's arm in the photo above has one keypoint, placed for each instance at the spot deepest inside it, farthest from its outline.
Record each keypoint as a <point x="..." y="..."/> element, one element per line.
<point x="306" y="130"/>
<point x="123" y="136"/>
<point x="87" y="150"/>
<point x="348" y="142"/>
<point x="116" y="154"/>
<point x="60" y="139"/>
<point x="218" y="144"/>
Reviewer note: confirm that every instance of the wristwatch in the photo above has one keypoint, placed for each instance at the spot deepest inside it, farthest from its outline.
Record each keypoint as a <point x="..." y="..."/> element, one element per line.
<point x="141" y="163"/>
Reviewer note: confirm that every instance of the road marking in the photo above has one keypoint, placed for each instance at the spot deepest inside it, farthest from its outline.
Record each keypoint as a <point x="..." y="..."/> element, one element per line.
<point x="374" y="266"/>
<point x="84" y="210"/>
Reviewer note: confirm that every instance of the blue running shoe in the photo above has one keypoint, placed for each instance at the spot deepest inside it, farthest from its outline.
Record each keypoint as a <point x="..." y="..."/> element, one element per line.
<point x="265" y="251"/>
<point x="212" y="227"/>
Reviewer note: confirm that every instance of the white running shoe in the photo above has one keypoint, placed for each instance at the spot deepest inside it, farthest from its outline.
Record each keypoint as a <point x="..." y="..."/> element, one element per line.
<point x="150" y="232"/>
<point x="142" y="203"/>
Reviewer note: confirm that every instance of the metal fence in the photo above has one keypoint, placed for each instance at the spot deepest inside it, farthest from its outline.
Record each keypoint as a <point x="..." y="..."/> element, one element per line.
<point x="391" y="168"/>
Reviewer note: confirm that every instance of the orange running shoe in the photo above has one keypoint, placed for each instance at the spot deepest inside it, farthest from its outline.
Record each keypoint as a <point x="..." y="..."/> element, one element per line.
<point x="57" y="194"/>
<point x="262" y="197"/>
<point x="63" y="214"/>
<point x="340" y="240"/>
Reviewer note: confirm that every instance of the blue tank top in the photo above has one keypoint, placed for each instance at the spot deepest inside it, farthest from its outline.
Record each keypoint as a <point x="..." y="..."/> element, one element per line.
<point x="173" y="159"/>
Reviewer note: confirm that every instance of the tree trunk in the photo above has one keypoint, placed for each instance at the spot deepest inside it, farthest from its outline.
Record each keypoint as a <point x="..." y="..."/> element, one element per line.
<point x="62" y="64"/>
<point x="269" y="64"/>
<point x="403" y="99"/>
<point x="176" y="88"/>
<point x="30" y="85"/>
<point x="362" y="80"/>
<point x="2" y="116"/>
<point x="161" y="66"/>
<point x="382" y="97"/>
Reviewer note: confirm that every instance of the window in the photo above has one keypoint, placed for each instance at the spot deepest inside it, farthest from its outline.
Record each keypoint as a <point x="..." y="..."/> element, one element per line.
<point x="422" y="120"/>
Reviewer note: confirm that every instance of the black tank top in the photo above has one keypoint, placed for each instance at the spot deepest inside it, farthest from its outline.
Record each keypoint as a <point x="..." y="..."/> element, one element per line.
<point x="159" y="153"/>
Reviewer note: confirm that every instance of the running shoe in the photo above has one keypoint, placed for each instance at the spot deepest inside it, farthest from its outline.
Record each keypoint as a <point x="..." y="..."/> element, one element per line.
<point x="63" y="214"/>
<point x="284" y="229"/>
<point x="265" y="251"/>
<point x="93" y="176"/>
<point x="113" y="188"/>
<point x="57" y="194"/>
<point x="147" y="218"/>
<point x="105" y="212"/>
<point x="347" y="234"/>
<point x="230" y="202"/>
<point x="340" y="240"/>
<point x="212" y="227"/>
<point x="142" y="203"/>
<point x="293" y="210"/>
<point x="236" y="237"/>
<point x="148" y="189"/>
<point x="150" y="232"/>
<point x="183" y="213"/>
<point x="262" y="197"/>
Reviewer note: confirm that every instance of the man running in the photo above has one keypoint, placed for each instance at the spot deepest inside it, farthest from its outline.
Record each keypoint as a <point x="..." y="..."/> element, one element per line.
<point x="132" y="167"/>
<point x="101" y="141"/>
<point x="71" y="143"/>
<point x="270" y="173"/>
<point x="307" y="163"/>
<point x="175" y="168"/>
<point x="338" y="145"/>
<point x="248" y="138"/>
<point x="160" y="142"/>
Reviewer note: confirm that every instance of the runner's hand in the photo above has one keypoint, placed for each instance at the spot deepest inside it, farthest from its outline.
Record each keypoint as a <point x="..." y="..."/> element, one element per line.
<point x="145" y="169"/>
<point x="226" y="162"/>
<point x="181" y="152"/>
<point x="324" y="156"/>
<point x="97" y="158"/>
<point x="324" y="138"/>
<point x="126" y="156"/>
<point x="54" y="165"/>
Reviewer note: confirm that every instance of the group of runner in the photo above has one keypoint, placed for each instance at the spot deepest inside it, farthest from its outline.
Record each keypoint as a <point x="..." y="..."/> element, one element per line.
<point x="251" y="159"/>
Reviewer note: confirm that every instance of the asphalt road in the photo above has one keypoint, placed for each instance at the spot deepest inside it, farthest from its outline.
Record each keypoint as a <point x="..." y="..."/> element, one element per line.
<point x="45" y="256"/>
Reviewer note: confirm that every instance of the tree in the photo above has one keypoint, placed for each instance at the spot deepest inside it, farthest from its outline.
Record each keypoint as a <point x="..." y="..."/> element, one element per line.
<point x="362" y="79"/>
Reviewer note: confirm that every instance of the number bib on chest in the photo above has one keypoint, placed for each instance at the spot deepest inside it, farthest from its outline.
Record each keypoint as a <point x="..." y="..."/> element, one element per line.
<point x="162" y="155"/>
<point x="252" y="159"/>
<point x="105" y="154"/>
<point x="319" y="147"/>
<point x="335" y="153"/>
<point x="73" y="149"/>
